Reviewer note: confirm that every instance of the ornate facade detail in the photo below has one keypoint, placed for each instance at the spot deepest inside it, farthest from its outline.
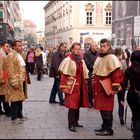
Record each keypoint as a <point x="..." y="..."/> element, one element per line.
<point x="89" y="7"/>
<point x="108" y="7"/>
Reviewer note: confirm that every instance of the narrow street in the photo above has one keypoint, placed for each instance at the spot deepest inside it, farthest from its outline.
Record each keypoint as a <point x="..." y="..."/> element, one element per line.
<point x="49" y="121"/>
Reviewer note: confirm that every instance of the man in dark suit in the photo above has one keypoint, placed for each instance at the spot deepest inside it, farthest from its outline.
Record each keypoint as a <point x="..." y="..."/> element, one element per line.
<point x="57" y="58"/>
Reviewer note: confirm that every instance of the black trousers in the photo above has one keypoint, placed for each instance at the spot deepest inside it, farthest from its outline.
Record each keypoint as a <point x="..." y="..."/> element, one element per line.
<point x="16" y="110"/>
<point x="30" y="67"/>
<point x="73" y="117"/>
<point x="107" y="117"/>
<point x="135" y="108"/>
<point x="55" y="90"/>
<point x="120" y="106"/>
<point x="39" y="73"/>
<point x="6" y="105"/>
<point x="90" y="91"/>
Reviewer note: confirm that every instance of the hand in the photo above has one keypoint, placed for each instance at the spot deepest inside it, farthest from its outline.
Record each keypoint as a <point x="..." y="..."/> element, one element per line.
<point x="16" y="87"/>
<point x="122" y="103"/>
<point x="57" y="76"/>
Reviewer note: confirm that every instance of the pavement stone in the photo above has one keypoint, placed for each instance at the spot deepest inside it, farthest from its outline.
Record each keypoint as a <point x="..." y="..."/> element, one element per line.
<point x="49" y="121"/>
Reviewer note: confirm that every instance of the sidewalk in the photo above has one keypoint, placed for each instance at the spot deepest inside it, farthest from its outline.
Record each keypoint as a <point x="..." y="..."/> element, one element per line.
<point x="49" y="121"/>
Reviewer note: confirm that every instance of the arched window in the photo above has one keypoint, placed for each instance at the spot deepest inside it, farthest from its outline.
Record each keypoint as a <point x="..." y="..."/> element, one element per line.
<point x="89" y="8"/>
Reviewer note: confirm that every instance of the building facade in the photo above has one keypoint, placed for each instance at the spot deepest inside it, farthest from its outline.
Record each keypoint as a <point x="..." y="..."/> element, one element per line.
<point x="77" y="21"/>
<point x="30" y="37"/>
<point x="126" y="23"/>
<point x="9" y="14"/>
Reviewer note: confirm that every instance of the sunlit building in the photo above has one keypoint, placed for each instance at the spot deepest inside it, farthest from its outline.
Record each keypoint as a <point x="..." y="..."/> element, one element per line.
<point x="80" y="21"/>
<point x="126" y="23"/>
<point x="9" y="14"/>
<point x="30" y="28"/>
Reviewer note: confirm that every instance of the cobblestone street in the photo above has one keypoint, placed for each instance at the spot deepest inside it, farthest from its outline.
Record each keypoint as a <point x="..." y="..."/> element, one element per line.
<point x="49" y="121"/>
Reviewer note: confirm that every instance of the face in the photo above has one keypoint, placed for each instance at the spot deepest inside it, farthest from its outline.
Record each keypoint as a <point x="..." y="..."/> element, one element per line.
<point x="6" y="47"/>
<point x="18" y="47"/>
<point x="94" y="46"/>
<point x="76" y="50"/>
<point x="64" y="47"/>
<point x="104" y="47"/>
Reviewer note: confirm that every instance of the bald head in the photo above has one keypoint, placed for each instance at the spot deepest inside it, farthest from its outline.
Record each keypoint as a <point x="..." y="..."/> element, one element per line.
<point x="94" y="46"/>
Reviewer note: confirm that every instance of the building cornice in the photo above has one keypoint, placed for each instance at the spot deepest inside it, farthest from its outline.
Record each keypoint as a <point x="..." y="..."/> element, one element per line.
<point x="49" y="4"/>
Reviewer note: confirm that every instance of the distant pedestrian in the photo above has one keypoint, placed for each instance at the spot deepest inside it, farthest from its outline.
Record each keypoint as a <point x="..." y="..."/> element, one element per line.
<point x="39" y="63"/>
<point x="74" y="67"/>
<point x="30" y="61"/>
<point x="57" y="58"/>
<point x="49" y="59"/>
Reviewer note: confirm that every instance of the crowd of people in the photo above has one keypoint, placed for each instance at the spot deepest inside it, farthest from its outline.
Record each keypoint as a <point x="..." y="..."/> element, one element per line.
<point x="88" y="78"/>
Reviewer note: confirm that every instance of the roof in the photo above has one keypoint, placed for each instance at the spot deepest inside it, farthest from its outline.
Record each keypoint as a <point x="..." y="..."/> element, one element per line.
<point x="28" y="23"/>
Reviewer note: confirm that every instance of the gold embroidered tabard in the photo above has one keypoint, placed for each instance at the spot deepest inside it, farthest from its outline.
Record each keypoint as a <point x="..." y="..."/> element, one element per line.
<point x="68" y="67"/>
<point x="103" y="66"/>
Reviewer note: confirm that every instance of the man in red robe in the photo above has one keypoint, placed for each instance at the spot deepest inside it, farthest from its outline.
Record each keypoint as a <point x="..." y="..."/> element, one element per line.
<point x="106" y="65"/>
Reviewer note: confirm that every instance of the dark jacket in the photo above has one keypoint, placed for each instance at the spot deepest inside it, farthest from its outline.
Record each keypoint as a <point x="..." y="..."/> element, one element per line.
<point x="57" y="58"/>
<point x="90" y="58"/>
<point x="132" y="75"/>
<point x="39" y="61"/>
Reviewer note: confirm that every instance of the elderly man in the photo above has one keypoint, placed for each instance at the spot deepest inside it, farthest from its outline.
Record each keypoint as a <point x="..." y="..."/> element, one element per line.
<point x="5" y="48"/>
<point x="90" y="57"/>
<point x="106" y="66"/>
<point x="17" y="82"/>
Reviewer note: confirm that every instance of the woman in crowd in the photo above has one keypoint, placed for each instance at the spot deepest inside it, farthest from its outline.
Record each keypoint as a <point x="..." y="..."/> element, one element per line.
<point x="49" y="58"/>
<point x="73" y="67"/>
<point x="30" y="61"/>
<point x="132" y="76"/>
<point x="120" y="54"/>
<point x="39" y="63"/>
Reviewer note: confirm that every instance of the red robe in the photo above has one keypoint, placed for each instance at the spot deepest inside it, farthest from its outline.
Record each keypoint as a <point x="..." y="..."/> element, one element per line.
<point x="101" y="100"/>
<point x="79" y="96"/>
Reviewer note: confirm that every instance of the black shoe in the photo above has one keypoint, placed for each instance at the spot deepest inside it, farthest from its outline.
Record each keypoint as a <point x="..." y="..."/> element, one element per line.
<point x="90" y="105"/>
<point x="104" y="133"/>
<point x="99" y="130"/>
<point x="53" y="102"/>
<point x="2" y="113"/>
<point x="122" y="122"/>
<point x="78" y="125"/>
<point x="62" y="104"/>
<point x="72" y="128"/>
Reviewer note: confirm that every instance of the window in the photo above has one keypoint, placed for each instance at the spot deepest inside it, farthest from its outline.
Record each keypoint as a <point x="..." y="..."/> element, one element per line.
<point x="89" y="18"/>
<point x="1" y="14"/>
<point x="108" y="18"/>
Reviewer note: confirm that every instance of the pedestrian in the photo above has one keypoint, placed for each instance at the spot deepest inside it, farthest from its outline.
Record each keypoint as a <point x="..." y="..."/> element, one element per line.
<point x="90" y="56"/>
<point x="74" y="67"/>
<point x="5" y="47"/>
<point x="132" y="82"/>
<point x="49" y="58"/>
<point x="16" y="82"/>
<point x="57" y="58"/>
<point x="120" y="55"/>
<point x="30" y="60"/>
<point x="44" y="61"/>
<point x="106" y="66"/>
<point x="39" y="63"/>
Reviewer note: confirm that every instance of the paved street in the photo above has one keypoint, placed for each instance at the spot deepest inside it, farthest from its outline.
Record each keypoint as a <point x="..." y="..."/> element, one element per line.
<point x="49" y="121"/>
